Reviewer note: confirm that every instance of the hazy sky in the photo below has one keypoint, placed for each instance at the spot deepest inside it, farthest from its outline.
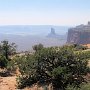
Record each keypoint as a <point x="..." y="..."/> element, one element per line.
<point x="44" y="12"/>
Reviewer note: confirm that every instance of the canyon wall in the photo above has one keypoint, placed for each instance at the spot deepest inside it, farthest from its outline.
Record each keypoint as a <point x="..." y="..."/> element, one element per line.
<point x="79" y="34"/>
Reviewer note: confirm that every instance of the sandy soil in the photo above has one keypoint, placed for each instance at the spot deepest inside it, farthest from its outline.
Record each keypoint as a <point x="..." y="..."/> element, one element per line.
<point x="88" y="45"/>
<point x="8" y="83"/>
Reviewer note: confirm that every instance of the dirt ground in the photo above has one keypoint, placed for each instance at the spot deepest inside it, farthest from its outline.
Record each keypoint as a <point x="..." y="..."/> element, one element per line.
<point x="88" y="45"/>
<point x="8" y="83"/>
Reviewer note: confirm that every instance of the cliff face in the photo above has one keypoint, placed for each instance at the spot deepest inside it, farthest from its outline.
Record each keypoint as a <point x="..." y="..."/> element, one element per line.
<point x="79" y="35"/>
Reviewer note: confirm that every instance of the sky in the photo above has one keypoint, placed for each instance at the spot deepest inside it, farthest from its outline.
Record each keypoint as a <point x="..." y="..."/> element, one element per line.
<point x="44" y="12"/>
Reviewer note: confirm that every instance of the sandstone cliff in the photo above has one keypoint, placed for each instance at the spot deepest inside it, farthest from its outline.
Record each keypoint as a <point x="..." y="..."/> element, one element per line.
<point x="79" y="34"/>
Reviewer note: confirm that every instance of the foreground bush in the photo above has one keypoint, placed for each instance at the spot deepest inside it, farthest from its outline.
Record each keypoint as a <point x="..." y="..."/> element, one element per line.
<point x="85" y="86"/>
<point x="3" y="61"/>
<point x="57" y="66"/>
<point x="6" y="51"/>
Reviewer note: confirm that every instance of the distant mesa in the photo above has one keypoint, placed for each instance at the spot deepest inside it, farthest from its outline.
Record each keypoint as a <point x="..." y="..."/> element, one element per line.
<point x="79" y="35"/>
<point x="53" y="34"/>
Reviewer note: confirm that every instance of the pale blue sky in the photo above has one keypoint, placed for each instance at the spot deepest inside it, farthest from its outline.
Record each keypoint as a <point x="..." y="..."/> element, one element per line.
<point x="44" y="12"/>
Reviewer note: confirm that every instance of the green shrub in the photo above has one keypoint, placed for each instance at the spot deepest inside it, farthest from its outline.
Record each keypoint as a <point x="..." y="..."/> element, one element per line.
<point x="85" y="86"/>
<point x="3" y="61"/>
<point x="59" y="66"/>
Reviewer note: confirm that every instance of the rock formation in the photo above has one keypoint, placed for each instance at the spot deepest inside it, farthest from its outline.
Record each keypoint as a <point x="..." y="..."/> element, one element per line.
<point x="53" y="34"/>
<point x="79" y="35"/>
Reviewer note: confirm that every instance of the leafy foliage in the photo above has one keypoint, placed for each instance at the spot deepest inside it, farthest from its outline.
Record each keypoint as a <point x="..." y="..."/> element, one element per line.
<point x="59" y="66"/>
<point x="3" y="61"/>
<point x="37" y="47"/>
<point x="6" y="50"/>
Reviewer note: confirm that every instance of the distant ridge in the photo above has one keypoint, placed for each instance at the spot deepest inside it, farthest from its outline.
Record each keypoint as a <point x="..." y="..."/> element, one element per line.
<point x="41" y="30"/>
